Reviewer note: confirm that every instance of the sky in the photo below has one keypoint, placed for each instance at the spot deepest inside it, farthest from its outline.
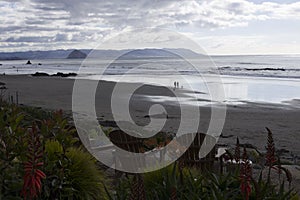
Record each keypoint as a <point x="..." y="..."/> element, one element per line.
<point x="224" y="27"/>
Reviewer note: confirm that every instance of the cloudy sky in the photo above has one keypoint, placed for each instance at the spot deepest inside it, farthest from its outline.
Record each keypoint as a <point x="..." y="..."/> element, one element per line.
<point x="219" y="26"/>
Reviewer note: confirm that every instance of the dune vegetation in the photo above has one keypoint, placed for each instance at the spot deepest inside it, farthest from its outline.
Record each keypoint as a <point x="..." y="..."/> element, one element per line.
<point x="41" y="157"/>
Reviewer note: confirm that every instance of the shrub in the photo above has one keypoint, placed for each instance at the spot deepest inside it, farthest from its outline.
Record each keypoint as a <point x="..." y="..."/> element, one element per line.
<point x="30" y="147"/>
<point x="166" y="184"/>
<point x="12" y="148"/>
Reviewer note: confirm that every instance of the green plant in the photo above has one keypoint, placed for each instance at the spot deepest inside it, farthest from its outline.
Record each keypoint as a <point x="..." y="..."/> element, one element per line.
<point x="12" y="148"/>
<point x="73" y="173"/>
<point x="166" y="184"/>
<point x="57" y="127"/>
<point x="86" y="178"/>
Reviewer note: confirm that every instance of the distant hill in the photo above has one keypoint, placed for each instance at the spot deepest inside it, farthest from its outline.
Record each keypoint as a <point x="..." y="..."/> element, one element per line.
<point x="160" y="53"/>
<point x="82" y="53"/>
<point x="77" y="54"/>
<point x="32" y="55"/>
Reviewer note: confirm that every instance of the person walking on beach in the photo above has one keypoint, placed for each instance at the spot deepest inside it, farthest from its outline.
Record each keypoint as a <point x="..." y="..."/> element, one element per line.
<point x="174" y="85"/>
<point x="177" y="84"/>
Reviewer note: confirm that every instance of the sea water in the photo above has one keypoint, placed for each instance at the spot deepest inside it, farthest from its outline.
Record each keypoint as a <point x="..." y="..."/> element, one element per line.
<point x="256" y="78"/>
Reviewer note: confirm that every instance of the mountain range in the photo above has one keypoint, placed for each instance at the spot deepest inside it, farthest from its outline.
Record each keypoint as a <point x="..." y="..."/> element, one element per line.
<point x="82" y="53"/>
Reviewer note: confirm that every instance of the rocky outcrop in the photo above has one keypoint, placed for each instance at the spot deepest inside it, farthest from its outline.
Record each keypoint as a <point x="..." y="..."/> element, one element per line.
<point x="76" y="54"/>
<point x="58" y="74"/>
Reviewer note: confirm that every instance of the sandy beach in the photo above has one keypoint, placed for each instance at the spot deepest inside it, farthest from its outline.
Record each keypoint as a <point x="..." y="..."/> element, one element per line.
<point x="246" y="121"/>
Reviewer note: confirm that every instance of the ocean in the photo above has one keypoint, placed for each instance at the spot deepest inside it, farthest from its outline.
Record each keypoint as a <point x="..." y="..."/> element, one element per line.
<point x="272" y="79"/>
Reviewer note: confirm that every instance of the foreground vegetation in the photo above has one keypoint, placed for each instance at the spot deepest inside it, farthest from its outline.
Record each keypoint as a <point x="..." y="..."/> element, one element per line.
<point x="41" y="157"/>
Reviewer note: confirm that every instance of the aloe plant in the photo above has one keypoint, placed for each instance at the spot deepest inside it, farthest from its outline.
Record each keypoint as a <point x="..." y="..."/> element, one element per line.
<point x="32" y="185"/>
<point x="245" y="176"/>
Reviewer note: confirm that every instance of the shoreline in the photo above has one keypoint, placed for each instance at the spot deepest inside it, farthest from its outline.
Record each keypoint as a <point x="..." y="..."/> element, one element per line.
<point x="246" y="121"/>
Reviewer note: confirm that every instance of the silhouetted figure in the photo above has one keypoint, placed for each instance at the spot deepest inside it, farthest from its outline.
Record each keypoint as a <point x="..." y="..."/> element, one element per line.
<point x="177" y="84"/>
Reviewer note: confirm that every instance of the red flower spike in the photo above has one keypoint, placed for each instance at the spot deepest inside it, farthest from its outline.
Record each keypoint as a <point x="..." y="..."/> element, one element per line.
<point x="237" y="152"/>
<point x="32" y="185"/>
<point x="245" y="176"/>
<point x="270" y="156"/>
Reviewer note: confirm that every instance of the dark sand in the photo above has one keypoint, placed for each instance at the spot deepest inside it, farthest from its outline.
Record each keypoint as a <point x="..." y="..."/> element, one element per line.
<point x="247" y="121"/>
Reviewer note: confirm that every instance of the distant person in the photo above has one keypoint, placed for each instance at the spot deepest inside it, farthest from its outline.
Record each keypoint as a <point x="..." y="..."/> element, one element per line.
<point x="174" y="84"/>
<point x="177" y="84"/>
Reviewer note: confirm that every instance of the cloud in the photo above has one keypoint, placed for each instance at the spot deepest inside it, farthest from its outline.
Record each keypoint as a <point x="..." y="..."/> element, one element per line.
<point x="31" y="21"/>
<point x="29" y="39"/>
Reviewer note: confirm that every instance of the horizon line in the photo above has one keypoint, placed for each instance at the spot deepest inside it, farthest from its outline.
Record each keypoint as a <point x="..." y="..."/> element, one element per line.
<point x="208" y="54"/>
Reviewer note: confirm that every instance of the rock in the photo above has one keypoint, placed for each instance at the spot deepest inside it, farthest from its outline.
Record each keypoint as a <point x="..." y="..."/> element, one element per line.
<point x="282" y="151"/>
<point x="265" y="69"/>
<point x="40" y="64"/>
<point x="226" y="136"/>
<point x="158" y="116"/>
<point x="76" y="54"/>
<point x="40" y="74"/>
<point x="108" y="123"/>
<point x="60" y="74"/>
<point x="2" y="86"/>
<point x="28" y="62"/>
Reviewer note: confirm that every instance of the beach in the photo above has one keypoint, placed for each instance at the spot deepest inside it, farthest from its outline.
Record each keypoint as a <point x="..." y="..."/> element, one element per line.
<point x="246" y="121"/>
